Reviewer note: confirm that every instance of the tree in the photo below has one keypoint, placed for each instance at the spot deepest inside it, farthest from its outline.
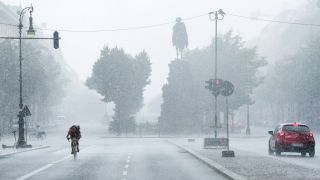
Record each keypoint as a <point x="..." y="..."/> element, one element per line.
<point x="42" y="81"/>
<point x="121" y="78"/>
<point x="294" y="89"/>
<point x="187" y="105"/>
<point x="290" y="91"/>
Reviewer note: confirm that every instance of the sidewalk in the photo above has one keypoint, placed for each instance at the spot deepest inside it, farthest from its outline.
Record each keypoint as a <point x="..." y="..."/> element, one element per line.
<point x="247" y="164"/>
<point x="9" y="141"/>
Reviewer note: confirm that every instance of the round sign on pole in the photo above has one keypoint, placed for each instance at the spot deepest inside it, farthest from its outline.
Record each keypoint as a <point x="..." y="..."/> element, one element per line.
<point x="227" y="88"/>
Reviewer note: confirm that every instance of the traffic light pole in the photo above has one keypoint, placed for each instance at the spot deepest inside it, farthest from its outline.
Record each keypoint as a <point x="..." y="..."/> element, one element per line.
<point x="216" y="18"/>
<point x="248" y="120"/>
<point x="21" y="138"/>
<point x="215" y="75"/>
<point x="227" y="117"/>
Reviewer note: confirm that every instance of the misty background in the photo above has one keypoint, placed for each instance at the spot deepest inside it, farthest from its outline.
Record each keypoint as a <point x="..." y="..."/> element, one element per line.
<point x="80" y="50"/>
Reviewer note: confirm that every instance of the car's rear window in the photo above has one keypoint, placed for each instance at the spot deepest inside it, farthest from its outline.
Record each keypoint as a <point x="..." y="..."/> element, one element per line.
<point x="297" y="128"/>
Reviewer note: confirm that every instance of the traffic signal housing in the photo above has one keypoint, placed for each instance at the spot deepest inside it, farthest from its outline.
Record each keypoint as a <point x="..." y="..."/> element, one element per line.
<point x="214" y="86"/>
<point x="218" y="83"/>
<point x="56" y="40"/>
<point x="208" y="84"/>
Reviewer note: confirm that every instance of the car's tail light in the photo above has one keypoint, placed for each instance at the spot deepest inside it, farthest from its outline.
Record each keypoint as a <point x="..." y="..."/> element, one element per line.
<point x="281" y="133"/>
<point x="311" y="134"/>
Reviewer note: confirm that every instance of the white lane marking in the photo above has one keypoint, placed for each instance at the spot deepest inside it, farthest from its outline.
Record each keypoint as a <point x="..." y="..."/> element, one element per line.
<point x="35" y="172"/>
<point x="123" y="179"/>
<point x="126" y="166"/>
<point x="129" y="157"/>
<point x="44" y="167"/>
<point x="125" y="173"/>
<point x="128" y="160"/>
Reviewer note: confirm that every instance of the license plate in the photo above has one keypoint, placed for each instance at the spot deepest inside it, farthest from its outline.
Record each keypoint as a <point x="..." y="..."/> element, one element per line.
<point x="297" y="145"/>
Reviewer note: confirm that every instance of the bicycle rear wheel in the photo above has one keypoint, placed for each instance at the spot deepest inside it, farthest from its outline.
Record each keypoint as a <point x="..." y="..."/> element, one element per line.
<point x="74" y="149"/>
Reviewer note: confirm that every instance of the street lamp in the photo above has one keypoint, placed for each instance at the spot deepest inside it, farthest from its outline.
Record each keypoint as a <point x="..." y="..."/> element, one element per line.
<point x="248" y="120"/>
<point x="21" y="139"/>
<point x="215" y="16"/>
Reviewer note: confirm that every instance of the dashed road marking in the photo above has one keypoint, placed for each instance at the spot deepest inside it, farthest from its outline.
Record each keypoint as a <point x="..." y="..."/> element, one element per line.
<point x="125" y="172"/>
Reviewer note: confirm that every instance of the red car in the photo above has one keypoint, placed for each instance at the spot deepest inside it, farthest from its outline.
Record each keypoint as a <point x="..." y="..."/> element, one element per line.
<point x="292" y="137"/>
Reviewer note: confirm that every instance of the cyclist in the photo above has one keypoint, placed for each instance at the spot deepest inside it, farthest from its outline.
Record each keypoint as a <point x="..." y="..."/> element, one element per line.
<point x="74" y="133"/>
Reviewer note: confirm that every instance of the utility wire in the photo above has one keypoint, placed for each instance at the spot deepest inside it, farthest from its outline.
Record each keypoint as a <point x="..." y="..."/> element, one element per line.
<point x="168" y="23"/>
<point x="273" y="21"/>
<point x="117" y="29"/>
<point x="125" y="29"/>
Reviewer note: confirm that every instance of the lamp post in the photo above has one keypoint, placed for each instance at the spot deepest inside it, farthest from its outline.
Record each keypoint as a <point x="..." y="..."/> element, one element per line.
<point x="215" y="16"/>
<point x="21" y="139"/>
<point x="248" y="120"/>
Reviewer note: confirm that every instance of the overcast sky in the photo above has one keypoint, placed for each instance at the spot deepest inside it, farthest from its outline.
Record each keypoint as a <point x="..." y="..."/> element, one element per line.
<point x="81" y="50"/>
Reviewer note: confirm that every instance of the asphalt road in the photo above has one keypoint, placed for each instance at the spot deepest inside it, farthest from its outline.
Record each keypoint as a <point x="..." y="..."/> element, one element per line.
<point x="107" y="158"/>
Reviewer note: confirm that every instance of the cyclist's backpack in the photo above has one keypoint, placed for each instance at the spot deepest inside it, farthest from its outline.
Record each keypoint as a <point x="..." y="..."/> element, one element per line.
<point x="74" y="131"/>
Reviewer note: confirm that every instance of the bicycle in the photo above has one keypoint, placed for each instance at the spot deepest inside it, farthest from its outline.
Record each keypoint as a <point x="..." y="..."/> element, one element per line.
<point x="74" y="147"/>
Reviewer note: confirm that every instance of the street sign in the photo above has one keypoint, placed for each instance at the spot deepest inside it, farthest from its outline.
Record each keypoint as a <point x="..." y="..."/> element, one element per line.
<point x="227" y="88"/>
<point x="26" y="111"/>
<point x="216" y="127"/>
<point x="215" y="142"/>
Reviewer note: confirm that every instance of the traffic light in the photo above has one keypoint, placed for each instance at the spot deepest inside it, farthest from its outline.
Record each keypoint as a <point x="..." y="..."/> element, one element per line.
<point x="214" y="85"/>
<point x="208" y="84"/>
<point x="218" y="83"/>
<point x="56" y="40"/>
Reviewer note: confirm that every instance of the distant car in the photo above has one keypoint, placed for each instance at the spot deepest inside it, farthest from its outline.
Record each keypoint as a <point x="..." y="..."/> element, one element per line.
<point x="292" y="137"/>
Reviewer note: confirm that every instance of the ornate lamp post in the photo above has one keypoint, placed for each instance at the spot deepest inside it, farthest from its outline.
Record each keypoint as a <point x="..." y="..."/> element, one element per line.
<point x="21" y="139"/>
<point x="215" y="16"/>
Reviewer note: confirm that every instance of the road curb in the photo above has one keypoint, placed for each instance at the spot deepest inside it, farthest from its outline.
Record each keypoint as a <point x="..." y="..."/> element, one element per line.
<point x="26" y="150"/>
<point x="213" y="165"/>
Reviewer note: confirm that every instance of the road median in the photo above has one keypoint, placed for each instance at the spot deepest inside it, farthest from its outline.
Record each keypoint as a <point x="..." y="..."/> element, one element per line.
<point x="213" y="165"/>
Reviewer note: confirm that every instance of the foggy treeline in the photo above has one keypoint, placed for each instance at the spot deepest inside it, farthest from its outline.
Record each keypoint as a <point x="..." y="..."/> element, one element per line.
<point x="42" y="78"/>
<point x="187" y="105"/>
<point x="291" y="89"/>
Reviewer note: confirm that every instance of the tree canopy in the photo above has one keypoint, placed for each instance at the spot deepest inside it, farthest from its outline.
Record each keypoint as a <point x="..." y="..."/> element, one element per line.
<point x="121" y="79"/>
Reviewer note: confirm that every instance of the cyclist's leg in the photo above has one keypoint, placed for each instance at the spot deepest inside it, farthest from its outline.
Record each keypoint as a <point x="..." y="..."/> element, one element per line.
<point x="78" y="145"/>
<point x="71" y="147"/>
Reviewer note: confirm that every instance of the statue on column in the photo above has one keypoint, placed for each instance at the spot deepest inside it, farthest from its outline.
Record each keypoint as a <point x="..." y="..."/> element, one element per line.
<point x="179" y="37"/>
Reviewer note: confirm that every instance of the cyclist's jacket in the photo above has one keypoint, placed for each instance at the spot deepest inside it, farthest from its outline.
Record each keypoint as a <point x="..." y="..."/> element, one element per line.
<point x="74" y="132"/>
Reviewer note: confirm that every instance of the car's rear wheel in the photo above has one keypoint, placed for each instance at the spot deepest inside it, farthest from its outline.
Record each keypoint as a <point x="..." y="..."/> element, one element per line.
<point x="311" y="152"/>
<point x="303" y="154"/>
<point x="278" y="151"/>
<point x="270" y="150"/>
